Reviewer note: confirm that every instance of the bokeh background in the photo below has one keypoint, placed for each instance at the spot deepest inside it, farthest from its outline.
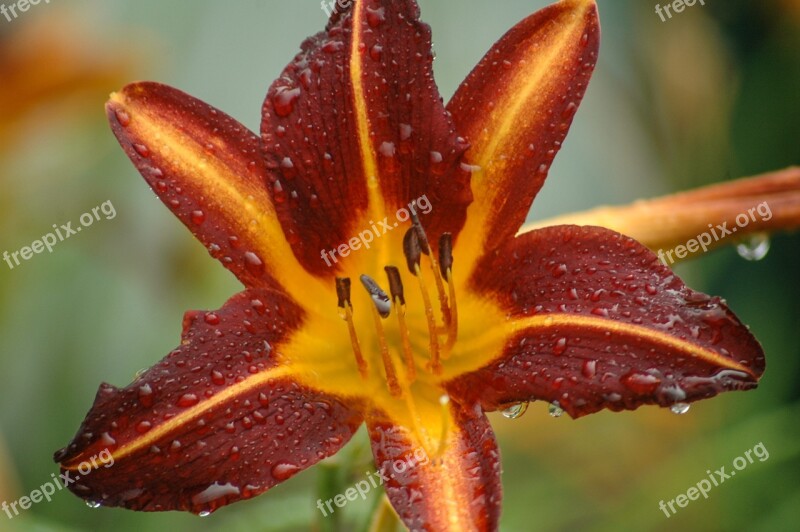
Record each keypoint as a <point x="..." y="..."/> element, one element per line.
<point x="710" y="95"/>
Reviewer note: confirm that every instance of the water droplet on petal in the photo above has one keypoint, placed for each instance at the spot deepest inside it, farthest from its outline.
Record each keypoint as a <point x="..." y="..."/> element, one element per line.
<point x="123" y="117"/>
<point x="516" y="410"/>
<point x="93" y="504"/>
<point x="284" y="470"/>
<point x="375" y="16"/>
<point x="754" y="247"/>
<point x="142" y="150"/>
<point x="680" y="408"/>
<point x="187" y="400"/>
<point x="204" y="513"/>
<point x="284" y="100"/>
<point x="253" y="264"/>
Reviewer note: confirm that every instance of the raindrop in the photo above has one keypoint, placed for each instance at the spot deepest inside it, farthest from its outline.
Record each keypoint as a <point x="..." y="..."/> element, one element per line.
<point x="204" y="513"/>
<point x="142" y="150"/>
<point x="516" y="410"/>
<point x="555" y="409"/>
<point x="93" y="504"/>
<point x="680" y="408"/>
<point x="146" y="395"/>
<point x="284" y="100"/>
<point x="375" y="16"/>
<point x="253" y="264"/>
<point x="284" y="470"/>
<point x="122" y="117"/>
<point x="187" y="400"/>
<point x="754" y="247"/>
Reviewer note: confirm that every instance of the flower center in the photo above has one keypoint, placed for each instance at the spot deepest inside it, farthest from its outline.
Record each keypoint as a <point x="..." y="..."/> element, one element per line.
<point x="442" y="336"/>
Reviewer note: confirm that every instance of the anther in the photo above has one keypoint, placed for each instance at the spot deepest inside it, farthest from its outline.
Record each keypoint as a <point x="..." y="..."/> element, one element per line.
<point x="425" y="246"/>
<point x="412" y="250"/>
<point x="396" y="289"/>
<point x="381" y="301"/>
<point x="343" y="291"/>
<point x="445" y="254"/>
<point x="379" y="297"/>
<point x="395" y="284"/>
<point x="343" y="294"/>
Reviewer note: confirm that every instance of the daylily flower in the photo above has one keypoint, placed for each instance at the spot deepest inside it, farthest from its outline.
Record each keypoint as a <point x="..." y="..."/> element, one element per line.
<point x="443" y="317"/>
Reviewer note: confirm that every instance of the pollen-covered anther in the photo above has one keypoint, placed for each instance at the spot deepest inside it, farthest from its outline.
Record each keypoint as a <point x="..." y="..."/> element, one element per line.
<point x="346" y="312"/>
<point x="399" y="300"/>
<point x="381" y="309"/>
<point x="413" y="252"/>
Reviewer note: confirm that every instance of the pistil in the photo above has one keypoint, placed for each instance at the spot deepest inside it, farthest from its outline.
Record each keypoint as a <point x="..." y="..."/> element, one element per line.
<point x="381" y="309"/>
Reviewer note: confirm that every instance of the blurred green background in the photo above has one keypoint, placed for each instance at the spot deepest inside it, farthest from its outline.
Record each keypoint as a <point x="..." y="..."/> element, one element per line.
<point x="709" y="95"/>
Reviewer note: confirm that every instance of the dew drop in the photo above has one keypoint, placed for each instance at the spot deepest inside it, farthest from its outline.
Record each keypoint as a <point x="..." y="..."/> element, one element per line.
<point x="514" y="411"/>
<point x="93" y="504"/>
<point x="284" y="470"/>
<point x="680" y="408"/>
<point x="187" y="400"/>
<point x="375" y="16"/>
<point x="405" y="131"/>
<point x="146" y="395"/>
<point x="284" y="100"/>
<point x="253" y="264"/>
<point x="123" y="117"/>
<point x="211" y="318"/>
<point x="279" y="194"/>
<point x="640" y="383"/>
<point x="754" y="247"/>
<point x="204" y="513"/>
<point x="142" y="150"/>
<point x="555" y="409"/>
<point x="198" y="217"/>
<point x="143" y="426"/>
<point x="560" y="347"/>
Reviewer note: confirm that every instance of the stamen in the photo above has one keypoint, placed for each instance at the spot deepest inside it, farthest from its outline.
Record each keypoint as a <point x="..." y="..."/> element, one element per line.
<point x="435" y="364"/>
<point x="346" y="313"/>
<point x="382" y="301"/>
<point x="426" y="249"/>
<point x="396" y="289"/>
<point x="446" y="264"/>
<point x="412" y="250"/>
